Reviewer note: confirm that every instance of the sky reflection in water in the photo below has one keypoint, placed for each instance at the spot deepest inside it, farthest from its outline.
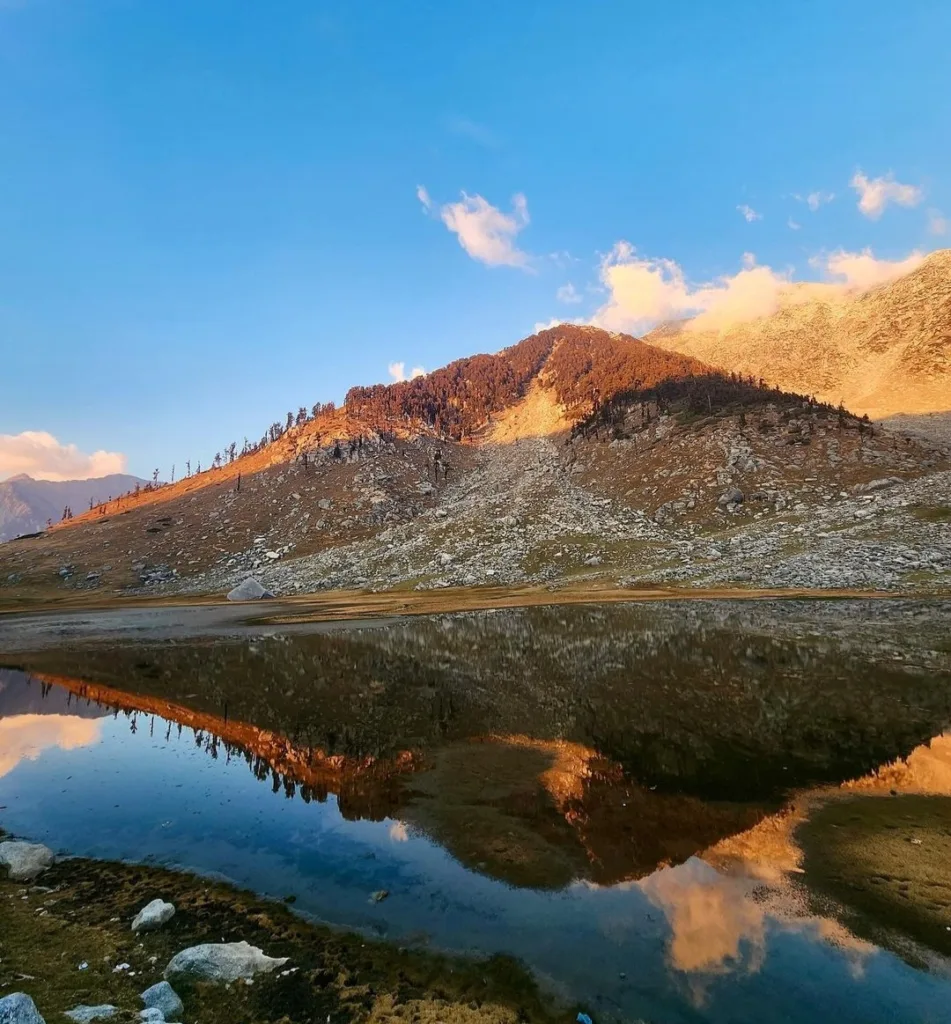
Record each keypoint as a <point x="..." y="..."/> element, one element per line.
<point x="685" y="943"/>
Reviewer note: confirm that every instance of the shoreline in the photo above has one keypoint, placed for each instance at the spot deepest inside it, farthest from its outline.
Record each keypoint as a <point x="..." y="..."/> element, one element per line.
<point x="80" y="909"/>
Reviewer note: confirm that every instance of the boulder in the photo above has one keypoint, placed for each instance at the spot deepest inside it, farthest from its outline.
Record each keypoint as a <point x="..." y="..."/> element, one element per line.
<point x="152" y="1015"/>
<point x="153" y="915"/>
<point x="82" y="1014"/>
<point x="221" y="961"/>
<point x="731" y="496"/>
<point x="162" y="996"/>
<point x="19" y="1008"/>
<point x="25" y="861"/>
<point x="877" y="485"/>
<point x="250" y="590"/>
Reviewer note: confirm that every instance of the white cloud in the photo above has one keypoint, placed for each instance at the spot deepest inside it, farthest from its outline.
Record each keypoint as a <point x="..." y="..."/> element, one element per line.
<point x="876" y="193"/>
<point x="423" y="196"/>
<point x="568" y="293"/>
<point x="484" y="231"/>
<point x="938" y="224"/>
<point x="815" y="199"/>
<point x="39" y="455"/>
<point x="749" y="214"/>
<point x="859" y="271"/>
<point x="644" y="291"/>
<point x="398" y="372"/>
<point x="547" y="325"/>
<point x="793" y="225"/>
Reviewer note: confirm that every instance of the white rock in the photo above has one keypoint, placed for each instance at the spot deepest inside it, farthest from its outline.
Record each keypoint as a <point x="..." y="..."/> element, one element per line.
<point x="272" y="555"/>
<point x="153" y="915"/>
<point x="163" y="997"/>
<point x="221" y="961"/>
<point x="250" y="590"/>
<point x="152" y="1015"/>
<point x="19" y="1008"/>
<point x="25" y="861"/>
<point x="82" y="1014"/>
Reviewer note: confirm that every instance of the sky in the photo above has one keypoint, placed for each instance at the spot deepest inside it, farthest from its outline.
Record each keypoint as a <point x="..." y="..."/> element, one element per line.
<point x="212" y="213"/>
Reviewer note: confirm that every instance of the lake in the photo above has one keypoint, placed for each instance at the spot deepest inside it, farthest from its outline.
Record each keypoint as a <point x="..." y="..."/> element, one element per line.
<point x="609" y="792"/>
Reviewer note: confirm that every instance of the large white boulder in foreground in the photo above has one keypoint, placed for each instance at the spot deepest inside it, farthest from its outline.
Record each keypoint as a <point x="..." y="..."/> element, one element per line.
<point x="19" y="1008"/>
<point x="250" y="590"/>
<point x="221" y="961"/>
<point x="25" y="860"/>
<point x="153" y="915"/>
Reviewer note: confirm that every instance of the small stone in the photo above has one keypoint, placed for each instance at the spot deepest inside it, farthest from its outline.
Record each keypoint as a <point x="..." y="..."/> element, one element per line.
<point x="152" y="1015"/>
<point x="379" y="896"/>
<point x="24" y="861"/>
<point x="82" y="1014"/>
<point x="164" y="998"/>
<point x="19" y="1008"/>
<point x="153" y="915"/>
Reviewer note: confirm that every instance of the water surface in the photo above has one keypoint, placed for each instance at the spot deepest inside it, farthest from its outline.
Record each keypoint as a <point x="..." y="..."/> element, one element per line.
<point x="570" y="785"/>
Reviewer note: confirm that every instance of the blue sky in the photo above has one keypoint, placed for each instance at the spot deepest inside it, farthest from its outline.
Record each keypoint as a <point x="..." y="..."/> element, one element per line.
<point x="210" y="212"/>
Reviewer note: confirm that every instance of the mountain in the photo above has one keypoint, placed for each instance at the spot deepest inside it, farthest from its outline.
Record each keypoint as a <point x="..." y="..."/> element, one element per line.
<point x="574" y="456"/>
<point x="27" y="504"/>
<point x="883" y="352"/>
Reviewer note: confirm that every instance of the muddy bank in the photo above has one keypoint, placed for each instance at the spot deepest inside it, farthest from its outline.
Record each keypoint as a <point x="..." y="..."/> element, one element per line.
<point x="51" y="619"/>
<point x="79" y="911"/>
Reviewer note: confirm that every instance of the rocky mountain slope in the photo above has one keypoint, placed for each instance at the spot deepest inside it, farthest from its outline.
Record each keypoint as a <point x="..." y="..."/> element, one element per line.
<point x="576" y="455"/>
<point x="26" y="505"/>
<point x="883" y="352"/>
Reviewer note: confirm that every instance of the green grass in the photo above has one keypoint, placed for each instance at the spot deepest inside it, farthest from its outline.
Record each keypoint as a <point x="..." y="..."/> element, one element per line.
<point x="932" y="513"/>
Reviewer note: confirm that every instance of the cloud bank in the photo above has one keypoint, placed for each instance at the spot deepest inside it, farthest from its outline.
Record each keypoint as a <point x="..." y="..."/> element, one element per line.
<point x="41" y="456"/>
<point x="644" y="291"/>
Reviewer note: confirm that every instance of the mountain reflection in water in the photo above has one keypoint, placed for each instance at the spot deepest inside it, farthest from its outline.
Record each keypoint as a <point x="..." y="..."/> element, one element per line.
<point x="602" y="791"/>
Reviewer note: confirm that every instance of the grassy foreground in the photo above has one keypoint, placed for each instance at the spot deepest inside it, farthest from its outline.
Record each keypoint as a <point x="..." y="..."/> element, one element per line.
<point x="80" y="911"/>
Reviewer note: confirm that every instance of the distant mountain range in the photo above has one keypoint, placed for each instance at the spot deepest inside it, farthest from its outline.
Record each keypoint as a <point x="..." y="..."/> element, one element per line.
<point x="26" y="505"/>
<point x="883" y="352"/>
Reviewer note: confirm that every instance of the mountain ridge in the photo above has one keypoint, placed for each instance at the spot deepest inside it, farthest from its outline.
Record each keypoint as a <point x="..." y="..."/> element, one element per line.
<point x="27" y="504"/>
<point x="883" y="351"/>
<point x="576" y="453"/>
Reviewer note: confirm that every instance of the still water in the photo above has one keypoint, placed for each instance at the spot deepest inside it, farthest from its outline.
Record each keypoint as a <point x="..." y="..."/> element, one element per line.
<point x="606" y="792"/>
